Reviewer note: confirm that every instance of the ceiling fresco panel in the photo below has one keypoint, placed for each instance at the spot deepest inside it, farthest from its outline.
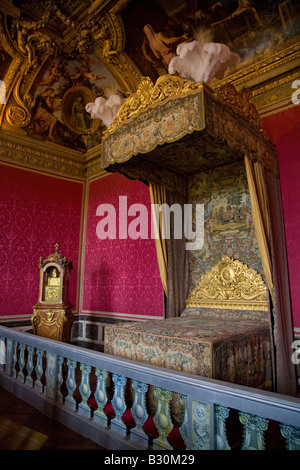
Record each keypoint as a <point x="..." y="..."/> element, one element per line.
<point x="252" y="29"/>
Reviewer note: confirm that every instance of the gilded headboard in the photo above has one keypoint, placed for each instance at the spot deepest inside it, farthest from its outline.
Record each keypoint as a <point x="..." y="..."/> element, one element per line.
<point x="231" y="285"/>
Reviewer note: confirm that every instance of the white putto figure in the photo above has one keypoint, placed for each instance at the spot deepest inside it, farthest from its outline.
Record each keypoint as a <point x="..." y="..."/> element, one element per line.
<point x="202" y="61"/>
<point x="106" y="109"/>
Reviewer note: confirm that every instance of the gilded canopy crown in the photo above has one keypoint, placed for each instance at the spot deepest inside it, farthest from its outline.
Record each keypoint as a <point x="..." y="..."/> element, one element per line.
<point x="149" y="94"/>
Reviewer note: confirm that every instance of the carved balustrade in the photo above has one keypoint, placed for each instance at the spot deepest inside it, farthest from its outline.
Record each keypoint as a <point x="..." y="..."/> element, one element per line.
<point x="126" y="405"/>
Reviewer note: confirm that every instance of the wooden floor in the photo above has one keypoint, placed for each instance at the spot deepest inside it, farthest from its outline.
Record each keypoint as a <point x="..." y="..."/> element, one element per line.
<point x="22" y="427"/>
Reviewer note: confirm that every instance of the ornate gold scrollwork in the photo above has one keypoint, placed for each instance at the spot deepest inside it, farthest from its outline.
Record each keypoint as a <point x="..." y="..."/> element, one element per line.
<point x="148" y="94"/>
<point x="35" y="317"/>
<point x="241" y="103"/>
<point x="17" y="116"/>
<point x="232" y="285"/>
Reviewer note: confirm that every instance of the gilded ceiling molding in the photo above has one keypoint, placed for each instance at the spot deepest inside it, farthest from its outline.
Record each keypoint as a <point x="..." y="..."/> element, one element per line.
<point x="93" y="162"/>
<point x="124" y="71"/>
<point x="99" y="29"/>
<point x="9" y="9"/>
<point x="27" y="63"/>
<point x="22" y="150"/>
<point x="112" y="52"/>
<point x="14" y="68"/>
<point x="269" y="79"/>
<point x="283" y="58"/>
<point x="275" y="93"/>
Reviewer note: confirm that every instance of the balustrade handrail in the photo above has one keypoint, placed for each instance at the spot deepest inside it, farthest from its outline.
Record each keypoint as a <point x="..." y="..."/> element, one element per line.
<point x="249" y="400"/>
<point x="204" y="402"/>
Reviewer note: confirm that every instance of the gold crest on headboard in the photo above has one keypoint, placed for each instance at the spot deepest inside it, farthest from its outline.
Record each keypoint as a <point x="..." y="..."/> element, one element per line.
<point x="230" y="285"/>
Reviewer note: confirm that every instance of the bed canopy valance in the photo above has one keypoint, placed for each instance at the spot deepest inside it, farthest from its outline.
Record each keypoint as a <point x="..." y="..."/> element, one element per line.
<point x="165" y="132"/>
<point x="170" y="130"/>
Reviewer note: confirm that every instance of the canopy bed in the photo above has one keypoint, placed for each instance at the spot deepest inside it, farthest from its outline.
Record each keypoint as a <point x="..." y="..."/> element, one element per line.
<point x="164" y="134"/>
<point x="223" y="333"/>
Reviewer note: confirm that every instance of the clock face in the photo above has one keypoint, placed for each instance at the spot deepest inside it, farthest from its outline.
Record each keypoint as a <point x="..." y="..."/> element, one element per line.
<point x="52" y="293"/>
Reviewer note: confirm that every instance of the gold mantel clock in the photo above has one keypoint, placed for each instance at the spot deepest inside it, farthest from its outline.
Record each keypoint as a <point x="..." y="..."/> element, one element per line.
<point x="52" y="315"/>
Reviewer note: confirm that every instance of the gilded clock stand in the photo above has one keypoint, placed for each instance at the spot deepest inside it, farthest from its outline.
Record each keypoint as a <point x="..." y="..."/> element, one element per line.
<point x="52" y="315"/>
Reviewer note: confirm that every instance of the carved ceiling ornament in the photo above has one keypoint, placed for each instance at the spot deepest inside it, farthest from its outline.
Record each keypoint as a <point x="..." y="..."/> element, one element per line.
<point x="32" y="43"/>
<point x="230" y="284"/>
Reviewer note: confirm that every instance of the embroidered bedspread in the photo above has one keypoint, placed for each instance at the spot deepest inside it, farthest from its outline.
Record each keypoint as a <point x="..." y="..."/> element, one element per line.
<point x="224" y="349"/>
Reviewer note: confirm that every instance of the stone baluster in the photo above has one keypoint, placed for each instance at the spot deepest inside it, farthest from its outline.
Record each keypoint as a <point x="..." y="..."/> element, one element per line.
<point x="30" y="367"/>
<point x="71" y="384"/>
<point x="60" y="380"/>
<point x="222" y="414"/>
<point x="162" y="418"/>
<point x="51" y="376"/>
<point x="200" y="426"/>
<point x="3" y="353"/>
<point x="85" y="390"/>
<point x="254" y="428"/>
<point x="39" y="369"/>
<point x="184" y="423"/>
<point x="178" y="411"/>
<point x="15" y="358"/>
<point x="9" y="367"/>
<point x="292" y="436"/>
<point x="139" y="411"/>
<point x="100" y="396"/>
<point x="21" y="362"/>
<point x="118" y="403"/>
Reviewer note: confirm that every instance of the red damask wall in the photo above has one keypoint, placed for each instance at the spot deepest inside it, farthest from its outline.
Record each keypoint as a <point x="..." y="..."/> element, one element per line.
<point x="284" y="130"/>
<point x="36" y="211"/>
<point x="121" y="276"/>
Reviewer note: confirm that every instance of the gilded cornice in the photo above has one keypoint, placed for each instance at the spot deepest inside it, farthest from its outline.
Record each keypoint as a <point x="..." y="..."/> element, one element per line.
<point x="22" y="150"/>
<point x="93" y="162"/>
<point x="269" y="79"/>
<point x="282" y="58"/>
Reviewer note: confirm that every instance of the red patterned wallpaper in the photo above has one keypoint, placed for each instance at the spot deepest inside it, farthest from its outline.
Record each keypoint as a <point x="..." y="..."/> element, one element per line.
<point x="121" y="276"/>
<point x="284" y="129"/>
<point x="36" y="211"/>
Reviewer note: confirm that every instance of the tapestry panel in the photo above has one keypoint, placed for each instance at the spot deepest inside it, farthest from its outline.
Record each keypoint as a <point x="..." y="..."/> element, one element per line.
<point x="228" y="224"/>
<point x="217" y="348"/>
